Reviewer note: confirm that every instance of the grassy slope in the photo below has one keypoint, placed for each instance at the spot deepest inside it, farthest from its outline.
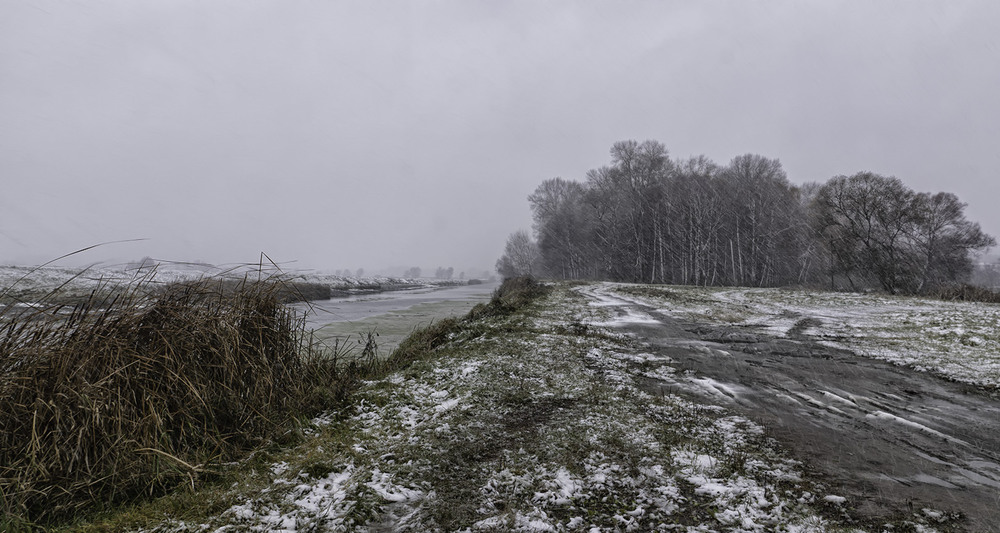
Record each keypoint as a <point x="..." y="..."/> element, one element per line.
<point x="527" y="422"/>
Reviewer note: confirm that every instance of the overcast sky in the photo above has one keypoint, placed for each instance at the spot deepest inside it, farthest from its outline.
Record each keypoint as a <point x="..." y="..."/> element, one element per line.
<point x="367" y="134"/>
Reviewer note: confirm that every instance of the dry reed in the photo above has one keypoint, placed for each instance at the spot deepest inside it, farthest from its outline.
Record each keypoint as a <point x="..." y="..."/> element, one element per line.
<point x="137" y="391"/>
<point x="968" y="293"/>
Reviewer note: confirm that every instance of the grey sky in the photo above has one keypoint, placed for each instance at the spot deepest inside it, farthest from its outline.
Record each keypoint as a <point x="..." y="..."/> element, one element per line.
<point x="368" y="134"/>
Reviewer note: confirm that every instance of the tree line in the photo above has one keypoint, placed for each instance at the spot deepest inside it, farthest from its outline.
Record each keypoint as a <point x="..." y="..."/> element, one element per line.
<point x="649" y="218"/>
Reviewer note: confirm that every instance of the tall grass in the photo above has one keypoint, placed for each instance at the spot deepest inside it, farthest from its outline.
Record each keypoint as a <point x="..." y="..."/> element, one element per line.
<point x="135" y="391"/>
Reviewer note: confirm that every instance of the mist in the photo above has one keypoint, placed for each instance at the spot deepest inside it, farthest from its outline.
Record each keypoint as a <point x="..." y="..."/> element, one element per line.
<point x="379" y="135"/>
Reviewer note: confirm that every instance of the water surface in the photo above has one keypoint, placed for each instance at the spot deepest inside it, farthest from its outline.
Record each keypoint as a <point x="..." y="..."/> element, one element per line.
<point x="391" y="315"/>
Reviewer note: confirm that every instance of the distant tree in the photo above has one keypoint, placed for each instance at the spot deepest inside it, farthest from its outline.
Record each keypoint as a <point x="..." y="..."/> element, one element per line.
<point x="564" y="228"/>
<point x="146" y="263"/>
<point x="944" y="240"/>
<point x="520" y="256"/>
<point x="412" y="272"/>
<point x="628" y="204"/>
<point x="444" y="273"/>
<point x="695" y="218"/>
<point x="987" y="275"/>
<point x="814" y="258"/>
<point x="864" y="220"/>
<point x="647" y="218"/>
<point x="908" y="242"/>
<point x="359" y="273"/>
<point x="763" y="214"/>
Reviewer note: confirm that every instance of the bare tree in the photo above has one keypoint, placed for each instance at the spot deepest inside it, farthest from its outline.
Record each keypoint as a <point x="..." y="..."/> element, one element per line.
<point x="908" y="242"/>
<point x="865" y="219"/>
<point x="520" y="256"/>
<point x="564" y="228"/>
<point x="764" y="215"/>
<point x="646" y="218"/>
<point x="694" y="222"/>
<point x="629" y="208"/>
<point x="944" y="240"/>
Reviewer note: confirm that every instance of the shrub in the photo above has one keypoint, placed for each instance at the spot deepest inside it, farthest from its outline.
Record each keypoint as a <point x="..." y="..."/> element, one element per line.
<point x="511" y="295"/>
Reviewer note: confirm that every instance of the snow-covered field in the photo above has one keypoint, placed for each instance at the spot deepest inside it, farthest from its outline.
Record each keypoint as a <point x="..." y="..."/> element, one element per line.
<point x="534" y="423"/>
<point x="957" y="340"/>
<point x="25" y="279"/>
<point x="26" y="283"/>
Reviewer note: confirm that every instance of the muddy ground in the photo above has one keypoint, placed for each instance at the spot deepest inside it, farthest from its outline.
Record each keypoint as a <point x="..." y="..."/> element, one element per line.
<point x="891" y="439"/>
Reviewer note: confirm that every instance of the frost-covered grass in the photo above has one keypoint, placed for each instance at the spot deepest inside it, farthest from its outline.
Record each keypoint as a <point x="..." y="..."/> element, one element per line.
<point x="27" y="284"/>
<point x="957" y="340"/>
<point x="24" y="286"/>
<point x="533" y="422"/>
<point x="48" y="277"/>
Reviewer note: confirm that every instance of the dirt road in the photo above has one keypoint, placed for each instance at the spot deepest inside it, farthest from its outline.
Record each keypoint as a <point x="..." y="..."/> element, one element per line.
<point x="891" y="439"/>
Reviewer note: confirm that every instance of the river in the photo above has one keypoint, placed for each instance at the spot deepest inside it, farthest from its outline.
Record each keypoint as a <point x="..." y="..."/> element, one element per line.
<point x="392" y="315"/>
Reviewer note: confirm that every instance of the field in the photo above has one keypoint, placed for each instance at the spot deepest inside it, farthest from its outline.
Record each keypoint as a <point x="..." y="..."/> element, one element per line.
<point x="28" y="284"/>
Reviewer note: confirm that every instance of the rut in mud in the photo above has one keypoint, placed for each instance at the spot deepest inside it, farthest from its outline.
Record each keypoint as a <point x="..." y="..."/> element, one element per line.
<point x="895" y="439"/>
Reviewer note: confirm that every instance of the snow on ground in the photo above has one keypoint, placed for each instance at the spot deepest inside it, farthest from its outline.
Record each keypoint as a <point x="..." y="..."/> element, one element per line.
<point x="530" y="425"/>
<point x="958" y="340"/>
<point x="43" y="279"/>
<point x="28" y="283"/>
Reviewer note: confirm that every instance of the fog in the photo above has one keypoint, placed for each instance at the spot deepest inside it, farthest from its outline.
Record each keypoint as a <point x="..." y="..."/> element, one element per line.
<point x="381" y="134"/>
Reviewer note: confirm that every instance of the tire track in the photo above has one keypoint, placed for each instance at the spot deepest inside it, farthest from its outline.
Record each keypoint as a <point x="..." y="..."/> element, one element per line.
<point x="897" y="440"/>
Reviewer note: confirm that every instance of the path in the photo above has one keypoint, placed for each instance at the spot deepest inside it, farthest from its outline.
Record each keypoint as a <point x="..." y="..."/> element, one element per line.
<point x="897" y="440"/>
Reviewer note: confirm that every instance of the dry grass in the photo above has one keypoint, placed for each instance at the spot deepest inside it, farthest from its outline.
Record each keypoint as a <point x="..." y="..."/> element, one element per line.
<point x="138" y="390"/>
<point x="510" y="296"/>
<point x="968" y="293"/>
